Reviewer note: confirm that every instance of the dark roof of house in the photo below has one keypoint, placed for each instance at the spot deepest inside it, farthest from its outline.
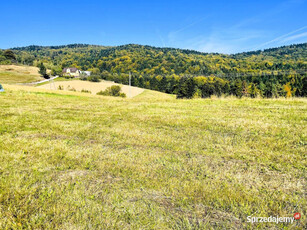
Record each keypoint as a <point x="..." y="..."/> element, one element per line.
<point x="72" y="70"/>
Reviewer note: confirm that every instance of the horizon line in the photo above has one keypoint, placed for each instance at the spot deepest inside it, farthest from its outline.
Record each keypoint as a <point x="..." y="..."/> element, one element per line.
<point x="158" y="47"/>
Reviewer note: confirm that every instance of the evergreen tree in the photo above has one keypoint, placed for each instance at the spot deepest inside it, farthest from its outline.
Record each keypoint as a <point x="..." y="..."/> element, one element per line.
<point x="237" y="88"/>
<point x="226" y="88"/>
<point x="262" y="89"/>
<point x="244" y="88"/>
<point x="141" y="82"/>
<point x="42" y="69"/>
<point x="163" y="84"/>
<point x="187" y="88"/>
<point x="253" y="91"/>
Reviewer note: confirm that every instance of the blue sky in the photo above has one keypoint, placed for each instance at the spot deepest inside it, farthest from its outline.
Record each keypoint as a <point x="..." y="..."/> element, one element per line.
<point x="208" y="26"/>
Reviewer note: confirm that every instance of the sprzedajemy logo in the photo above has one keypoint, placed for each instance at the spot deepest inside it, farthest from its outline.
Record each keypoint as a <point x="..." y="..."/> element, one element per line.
<point x="273" y="219"/>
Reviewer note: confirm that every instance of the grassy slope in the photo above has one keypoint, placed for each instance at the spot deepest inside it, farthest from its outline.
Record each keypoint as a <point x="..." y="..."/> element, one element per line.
<point x="93" y="87"/>
<point x="55" y="80"/>
<point x="74" y="162"/>
<point x="11" y="74"/>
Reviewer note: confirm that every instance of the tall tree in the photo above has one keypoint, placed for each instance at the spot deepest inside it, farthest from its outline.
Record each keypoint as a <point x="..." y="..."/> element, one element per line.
<point x="42" y="69"/>
<point x="9" y="54"/>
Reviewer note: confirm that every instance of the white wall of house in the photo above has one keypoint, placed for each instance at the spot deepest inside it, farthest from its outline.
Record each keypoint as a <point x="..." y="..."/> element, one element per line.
<point x="69" y="73"/>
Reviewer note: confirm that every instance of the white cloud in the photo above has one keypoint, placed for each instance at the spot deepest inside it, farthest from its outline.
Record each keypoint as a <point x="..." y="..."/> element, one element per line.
<point x="241" y="36"/>
<point x="229" y="40"/>
<point x="220" y="39"/>
<point x="295" y="37"/>
<point x="281" y="38"/>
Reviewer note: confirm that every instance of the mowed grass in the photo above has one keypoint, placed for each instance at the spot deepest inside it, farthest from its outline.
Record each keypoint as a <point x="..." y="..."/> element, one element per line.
<point x="93" y="87"/>
<point x="73" y="161"/>
<point x="11" y="74"/>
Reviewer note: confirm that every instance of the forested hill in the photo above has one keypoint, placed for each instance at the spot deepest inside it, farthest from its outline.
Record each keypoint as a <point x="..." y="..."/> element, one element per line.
<point x="269" y="73"/>
<point x="164" y="61"/>
<point x="294" y="52"/>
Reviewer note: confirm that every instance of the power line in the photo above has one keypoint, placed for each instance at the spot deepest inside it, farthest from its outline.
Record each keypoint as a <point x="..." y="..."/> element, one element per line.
<point x="235" y="75"/>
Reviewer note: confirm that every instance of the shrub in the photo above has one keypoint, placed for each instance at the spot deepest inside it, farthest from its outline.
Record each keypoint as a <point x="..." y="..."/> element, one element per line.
<point x="46" y="76"/>
<point x="114" y="91"/>
<point x="85" y="91"/>
<point x="93" y="78"/>
<point x="103" y="93"/>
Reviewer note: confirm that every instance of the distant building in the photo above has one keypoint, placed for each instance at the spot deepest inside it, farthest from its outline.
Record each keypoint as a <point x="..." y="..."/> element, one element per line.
<point x="72" y="72"/>
<point x="85" y="73"/>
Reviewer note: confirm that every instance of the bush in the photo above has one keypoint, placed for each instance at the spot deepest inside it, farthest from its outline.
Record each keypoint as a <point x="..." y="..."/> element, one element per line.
<point x="93" y="78"/>
<point x="114" y="91"/>
<point x="85" y="91"/>
<point x="46" y="76"/>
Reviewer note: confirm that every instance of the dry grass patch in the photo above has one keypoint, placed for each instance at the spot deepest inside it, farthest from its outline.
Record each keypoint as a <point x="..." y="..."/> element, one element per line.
<point x="93" y="87"/>
<point x="11" y="74"/>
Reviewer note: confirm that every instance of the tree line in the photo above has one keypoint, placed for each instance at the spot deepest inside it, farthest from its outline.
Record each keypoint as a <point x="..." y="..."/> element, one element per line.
<point x="269" y="73"/>
<point x="191" y="86"/>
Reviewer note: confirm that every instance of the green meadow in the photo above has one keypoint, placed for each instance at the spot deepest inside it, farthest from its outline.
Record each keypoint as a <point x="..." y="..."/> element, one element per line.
<point x="76" y="161"/>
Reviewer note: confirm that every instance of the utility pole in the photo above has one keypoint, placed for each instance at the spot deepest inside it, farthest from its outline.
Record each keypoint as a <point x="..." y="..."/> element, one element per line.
<point x="129" y="84"/>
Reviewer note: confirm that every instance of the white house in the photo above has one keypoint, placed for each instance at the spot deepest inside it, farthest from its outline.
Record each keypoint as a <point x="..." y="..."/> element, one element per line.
<point x="85" y="73"/>
<point x="73" y="72"/>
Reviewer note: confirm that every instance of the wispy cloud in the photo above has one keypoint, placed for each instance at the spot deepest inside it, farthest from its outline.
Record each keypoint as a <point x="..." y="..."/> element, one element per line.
<point x="160" y="37"/>
<point x="295" y="37"/>
<point x="242" y="35"/>
<point x="221" y="39"/>
<point x="229" y="40"/>
<point x="173" y="35"/>
<point x="190" y="25"/>
<point x="283" y="38"/>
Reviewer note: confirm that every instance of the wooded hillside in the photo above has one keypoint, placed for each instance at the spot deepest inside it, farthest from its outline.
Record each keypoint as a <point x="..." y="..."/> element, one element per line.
<point x="187" y="73"/>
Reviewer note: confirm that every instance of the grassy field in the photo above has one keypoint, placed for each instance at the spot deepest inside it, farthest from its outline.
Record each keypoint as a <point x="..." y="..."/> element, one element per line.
<point x="93" y="87"/>
<point x="61" y="79"/>
<point x="77" y="161"/>
<point x="11" y="74"/>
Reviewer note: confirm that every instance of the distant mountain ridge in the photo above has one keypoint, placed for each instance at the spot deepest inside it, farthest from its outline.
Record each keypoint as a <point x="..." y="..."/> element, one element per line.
<point x="293" y="47"/>
<point x="272" y="72"/>
<point x="164" y="61"/>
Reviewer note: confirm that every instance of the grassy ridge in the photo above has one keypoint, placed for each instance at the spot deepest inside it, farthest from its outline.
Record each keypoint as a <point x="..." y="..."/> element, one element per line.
<point x="11" y="74"/>
<point x="75" y="162"/>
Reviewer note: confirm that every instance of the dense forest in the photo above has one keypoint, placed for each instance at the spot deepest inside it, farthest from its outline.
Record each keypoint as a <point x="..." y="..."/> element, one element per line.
<point x="265" y="73"/>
